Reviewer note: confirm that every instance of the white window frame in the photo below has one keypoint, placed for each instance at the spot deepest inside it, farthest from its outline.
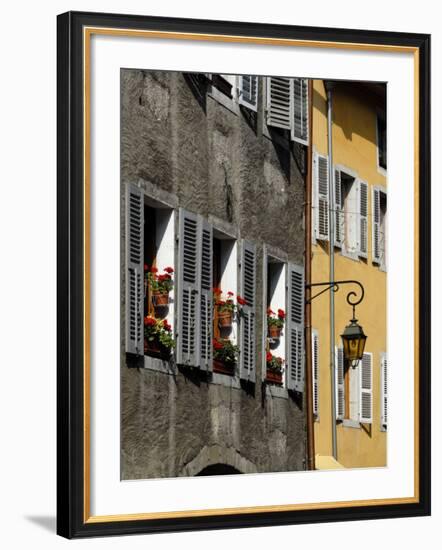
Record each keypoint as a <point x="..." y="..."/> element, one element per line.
<point x="352" y="254"/>
<point x="279" y="257"/>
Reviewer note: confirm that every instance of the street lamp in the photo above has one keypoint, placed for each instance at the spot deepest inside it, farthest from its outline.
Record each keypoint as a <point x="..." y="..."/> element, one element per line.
<point x="353" y="337"/>
<point x="353" y="341"/>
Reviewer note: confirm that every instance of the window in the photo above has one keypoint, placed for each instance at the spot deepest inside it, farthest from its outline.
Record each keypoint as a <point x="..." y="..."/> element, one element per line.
<point x="248" y="91"/>
<point x="224" y="271"/>
<point x="284" y="291"/>
<point x="354" y="389"/>
<point x="380" y="227"/>
<point x="381" y="127"/>
<point x="384" y="391"/>
<point x="149" y="243"/>
<point x="320" y="216"/>
<point x="275" y="301"/>
<point x="287" y="106"/>
<point x="232" y="91"/>
<point x="351" y="214"/>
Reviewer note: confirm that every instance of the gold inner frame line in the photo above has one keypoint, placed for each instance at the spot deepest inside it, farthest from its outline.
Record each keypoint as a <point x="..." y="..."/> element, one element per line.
<point x="87" y="33"/>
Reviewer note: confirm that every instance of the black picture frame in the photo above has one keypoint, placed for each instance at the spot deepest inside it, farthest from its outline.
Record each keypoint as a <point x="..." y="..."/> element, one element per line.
<point x="71" y="498"/>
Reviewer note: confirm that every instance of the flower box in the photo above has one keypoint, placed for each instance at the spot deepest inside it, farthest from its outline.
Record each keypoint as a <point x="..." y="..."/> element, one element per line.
<point x="155" y="349"/>
<point x="221" y="368"/>
<point x="225" y="319"/>
<point x="273" y="377"/>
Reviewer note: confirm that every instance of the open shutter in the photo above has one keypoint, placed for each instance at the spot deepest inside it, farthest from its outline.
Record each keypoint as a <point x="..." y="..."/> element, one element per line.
<point x="340" y="387"/>
<point x="248" y="320"/>
<point x="300" y="129"/>
<point x="321" y="197"/>
<point x="295" y="327"/>
<point x="248" y="91"/>
<point x="188" y="289"/>
<point x="339" y="215"/>
<point x="384" y="391"/>
<point x="206" y="307"/>
<point x="279" y="103"/>
<point x="366" y="389"/>
<point x="135" y="270"/>
<point x="376" y="226"/>
<point x="363" y="219"/>
<point x="315" y="371"/>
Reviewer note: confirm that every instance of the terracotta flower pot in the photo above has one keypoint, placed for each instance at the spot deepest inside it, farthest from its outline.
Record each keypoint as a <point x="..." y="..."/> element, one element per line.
<point x="160" y="299"/>
<point x="221" y="368"/>
<point x="274" y="377"/>
<point x="274" y="331"/>
<point x="225" y="319"/>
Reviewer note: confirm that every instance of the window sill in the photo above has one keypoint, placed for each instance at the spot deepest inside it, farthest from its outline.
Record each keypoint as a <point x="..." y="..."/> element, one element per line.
<point x="348" y="423"/>
<point x="276" y="391"/>
<point x="225" y="380"/>
<point x="159" y="365"/>
<point x="228" y="102"/>
<point x="350" y="255"/>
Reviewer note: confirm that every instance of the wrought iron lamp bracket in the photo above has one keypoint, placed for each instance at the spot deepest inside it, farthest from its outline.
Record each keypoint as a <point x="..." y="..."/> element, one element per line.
<point x="352" y="296"/>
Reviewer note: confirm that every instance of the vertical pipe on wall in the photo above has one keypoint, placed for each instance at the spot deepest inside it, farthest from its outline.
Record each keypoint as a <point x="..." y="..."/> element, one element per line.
<point x="331" y="241"/>
<point x="308" y="280"/>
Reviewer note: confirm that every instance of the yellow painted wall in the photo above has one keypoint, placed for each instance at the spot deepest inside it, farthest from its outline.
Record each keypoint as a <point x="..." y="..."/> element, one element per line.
<point x="354" y="146"/>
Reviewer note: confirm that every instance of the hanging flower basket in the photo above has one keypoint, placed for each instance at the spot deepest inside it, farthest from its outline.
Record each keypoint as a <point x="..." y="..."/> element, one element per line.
<point x="160" y="299"/>
<point x="225" y="319"/>
<point x="274" y="331"/>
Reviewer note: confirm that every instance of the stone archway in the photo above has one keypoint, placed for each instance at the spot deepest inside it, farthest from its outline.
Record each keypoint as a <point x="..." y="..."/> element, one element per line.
<point x="227" y="460"/>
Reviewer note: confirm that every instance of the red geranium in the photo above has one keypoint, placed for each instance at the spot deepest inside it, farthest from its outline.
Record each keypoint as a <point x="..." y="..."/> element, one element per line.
<point x="230" y="293"/>
<point x="154" y="269"/>
<point x="168" y="269"/>
<point x="166" y="325"/>
<point x="270" y="311"/>
<point x="241" y="301"/>
<point x="269" y="357"/>
<point x="149" y="321"/>
<point x="217" y="291"/>
<point x="281" y="314"/>
<point x="217" y="345"/>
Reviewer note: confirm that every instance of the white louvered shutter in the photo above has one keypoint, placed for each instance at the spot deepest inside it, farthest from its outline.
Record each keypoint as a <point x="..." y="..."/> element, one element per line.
<point x="315" y="371"/>
<point x="247" y="355"/>
<point x="248" y="91"/>
<point x="340" y="384"/>
<point x="295" y="327"/>
<point x="384" y="391"/>
<point x="135" y="270"/>
<point x="339" y="215"/>
<point x="376" y="226"/>
<point x="363" y="219"/>
<point x="366" y="389"/>
<point x="321" y="197"/>
<point x="205" y="342"/>
<point x="300" y="129"/>
<point x="188" y="289"/>
<point x="279" y="105"/>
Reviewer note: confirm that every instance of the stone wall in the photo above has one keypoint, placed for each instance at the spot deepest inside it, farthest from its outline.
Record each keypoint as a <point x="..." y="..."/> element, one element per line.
<point x="217" y="161"/>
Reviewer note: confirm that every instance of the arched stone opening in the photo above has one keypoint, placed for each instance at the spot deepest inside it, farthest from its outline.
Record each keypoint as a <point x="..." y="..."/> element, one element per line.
<point x="218" y="470"/>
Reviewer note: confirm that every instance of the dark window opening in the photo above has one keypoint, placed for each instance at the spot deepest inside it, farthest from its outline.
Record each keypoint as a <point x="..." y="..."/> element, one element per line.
<point x="218" y="470"/>
<point x="382" y="141"/>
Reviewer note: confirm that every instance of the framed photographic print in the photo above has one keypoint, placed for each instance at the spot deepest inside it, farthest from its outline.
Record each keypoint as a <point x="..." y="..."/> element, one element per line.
<point x="243" y="274"/>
